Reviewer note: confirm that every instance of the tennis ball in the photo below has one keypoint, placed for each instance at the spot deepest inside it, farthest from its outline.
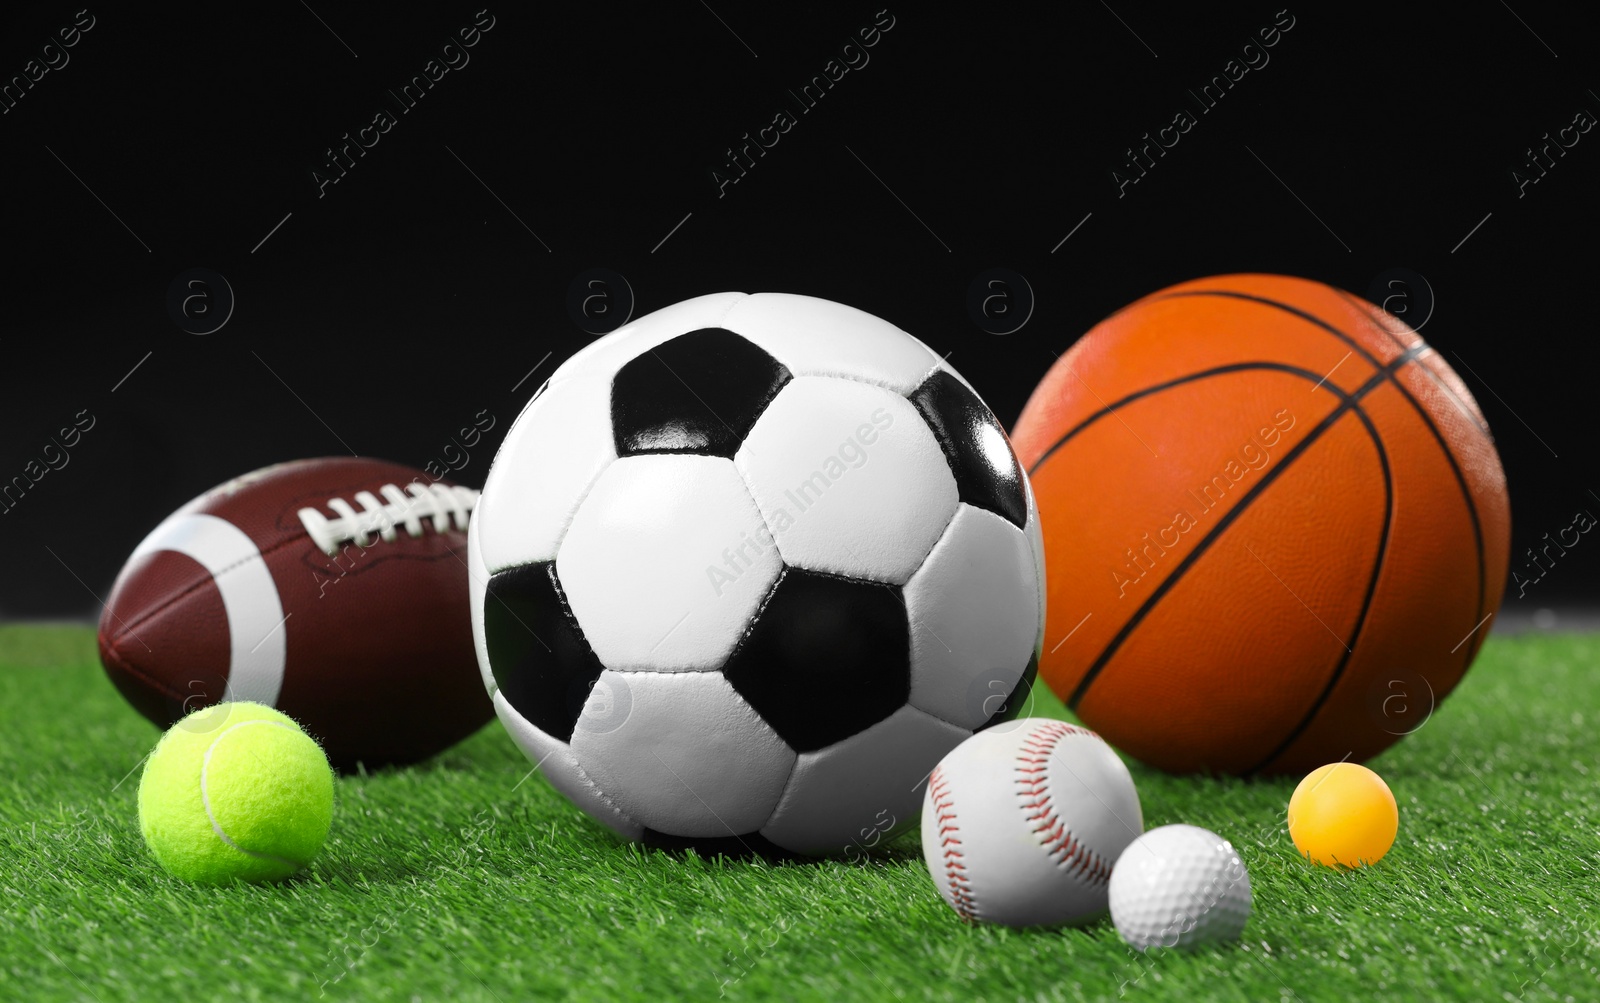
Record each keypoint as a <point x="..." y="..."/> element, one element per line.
<point x="1343" y="815"/>
<point x="235" y="792"/>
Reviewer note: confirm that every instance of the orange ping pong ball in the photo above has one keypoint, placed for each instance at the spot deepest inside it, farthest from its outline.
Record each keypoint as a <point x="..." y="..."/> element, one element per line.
<point x="1343" y="815"/>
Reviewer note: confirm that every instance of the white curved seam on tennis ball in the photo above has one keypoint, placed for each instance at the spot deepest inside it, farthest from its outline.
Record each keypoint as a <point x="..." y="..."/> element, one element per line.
<point x="206" y="798"/>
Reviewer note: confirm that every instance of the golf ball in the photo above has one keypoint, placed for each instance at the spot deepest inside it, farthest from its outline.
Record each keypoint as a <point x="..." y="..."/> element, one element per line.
<point x="1178" y="886"/>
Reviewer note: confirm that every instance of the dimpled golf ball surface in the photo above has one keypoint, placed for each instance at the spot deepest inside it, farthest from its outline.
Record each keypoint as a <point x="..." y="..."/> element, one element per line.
<point x="1179" y="886"/>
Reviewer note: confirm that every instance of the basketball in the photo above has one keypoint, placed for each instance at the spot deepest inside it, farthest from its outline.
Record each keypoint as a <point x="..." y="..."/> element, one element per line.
<point x="1275" y="526"/>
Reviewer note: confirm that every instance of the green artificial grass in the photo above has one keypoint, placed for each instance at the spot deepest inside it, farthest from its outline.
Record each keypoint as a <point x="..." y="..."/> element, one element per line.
<point x="468" y="879"/>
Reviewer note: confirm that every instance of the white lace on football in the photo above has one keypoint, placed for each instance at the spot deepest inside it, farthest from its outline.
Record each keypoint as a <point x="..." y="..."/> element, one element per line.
<point x="443" y="505"/>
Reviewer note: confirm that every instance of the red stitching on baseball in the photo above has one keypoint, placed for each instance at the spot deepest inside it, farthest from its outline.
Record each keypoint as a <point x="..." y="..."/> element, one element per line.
<point x="954" y="866"/>
<point x="1060" y="845"/>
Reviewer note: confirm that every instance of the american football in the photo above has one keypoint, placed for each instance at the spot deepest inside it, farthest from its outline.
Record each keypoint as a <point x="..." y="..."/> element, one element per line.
<point x="333" y="589"/>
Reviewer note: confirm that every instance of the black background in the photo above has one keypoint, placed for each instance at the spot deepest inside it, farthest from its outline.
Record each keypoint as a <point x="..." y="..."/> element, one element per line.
<point x="416" y="293"/>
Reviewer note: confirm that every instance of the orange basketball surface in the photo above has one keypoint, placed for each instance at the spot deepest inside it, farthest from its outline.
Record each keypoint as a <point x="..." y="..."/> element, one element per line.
<point x="1275" y="526"/>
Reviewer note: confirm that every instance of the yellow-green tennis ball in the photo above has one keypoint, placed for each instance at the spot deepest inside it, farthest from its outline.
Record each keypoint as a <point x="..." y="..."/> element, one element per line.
<point x="235" y="792"/>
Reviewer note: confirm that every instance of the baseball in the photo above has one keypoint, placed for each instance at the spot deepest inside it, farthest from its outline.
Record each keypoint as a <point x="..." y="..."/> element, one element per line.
<point x="1022" y="823"/>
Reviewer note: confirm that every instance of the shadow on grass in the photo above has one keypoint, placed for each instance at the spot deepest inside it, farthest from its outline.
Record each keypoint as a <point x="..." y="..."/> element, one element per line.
<point x="753" y="847"/>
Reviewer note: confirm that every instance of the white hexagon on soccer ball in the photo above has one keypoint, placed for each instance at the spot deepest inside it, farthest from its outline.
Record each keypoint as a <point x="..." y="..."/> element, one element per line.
<point x="849" y="478"/>
<point x="857" y="794"/>
<point x="526" y="506"/>
<point x="816" y="337"/>
<point x="663" y="564"/>
<point x="975" y="619"/>
<point x="690" y="759"/>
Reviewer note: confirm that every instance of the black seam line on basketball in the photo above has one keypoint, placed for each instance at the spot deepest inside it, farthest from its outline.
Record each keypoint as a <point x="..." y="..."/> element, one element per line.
<point x="1366" y="600"/>
<point x="1234" y="367"/>
<point x="1366" y="309"/>
<point x="1483" y="429"/>
<point x="1427" y="419"/>
<point x="1227" y="519"/>
<point x="1355" y="346"/>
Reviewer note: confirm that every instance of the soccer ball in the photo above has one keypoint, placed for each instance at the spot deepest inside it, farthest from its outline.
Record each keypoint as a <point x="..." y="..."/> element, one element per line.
<point x="745" y="569"/>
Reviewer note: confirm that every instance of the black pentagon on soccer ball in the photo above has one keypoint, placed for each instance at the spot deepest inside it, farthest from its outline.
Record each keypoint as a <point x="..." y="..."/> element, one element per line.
<point x="537" y="653"/>
<point x="699" y="393"/>
<point x="825" y="657"/>
<point x="987" y="473"/>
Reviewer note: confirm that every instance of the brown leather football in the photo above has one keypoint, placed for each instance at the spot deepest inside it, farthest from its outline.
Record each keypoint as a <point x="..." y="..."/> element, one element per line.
<point x="333" y="589"/>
